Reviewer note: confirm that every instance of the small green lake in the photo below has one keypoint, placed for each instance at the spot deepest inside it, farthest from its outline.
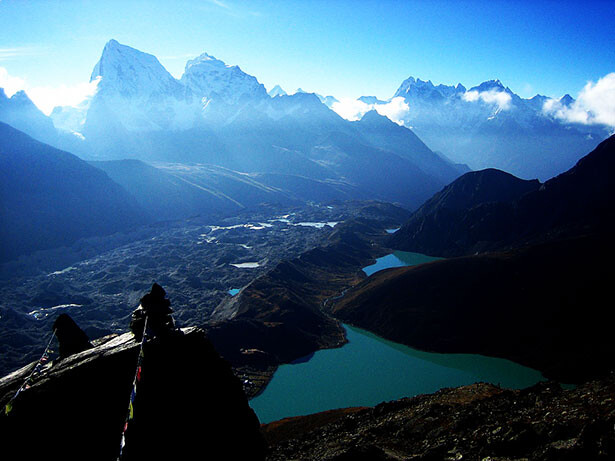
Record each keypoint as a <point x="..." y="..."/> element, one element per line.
<point x="369" y="370"/>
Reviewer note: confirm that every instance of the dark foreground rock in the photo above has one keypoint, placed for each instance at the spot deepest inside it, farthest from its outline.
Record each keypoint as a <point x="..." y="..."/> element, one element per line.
<point x="188" y="405"/>
<point x="476" y="422"/>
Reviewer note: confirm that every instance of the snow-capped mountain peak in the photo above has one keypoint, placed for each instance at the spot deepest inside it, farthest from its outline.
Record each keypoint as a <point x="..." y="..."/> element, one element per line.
<point x="277" y="91"/>
<point x="426" y="90"/>
<point x="490" y="85"/>
<point x="138" y="92"/>
<point x="566" y="100"/>
<point x="130" y="72"/>
<point x="210" y="78"/>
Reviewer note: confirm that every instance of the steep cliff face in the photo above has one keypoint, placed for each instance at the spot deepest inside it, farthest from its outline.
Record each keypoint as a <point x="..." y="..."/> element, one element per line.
<point x="188" y="405"/>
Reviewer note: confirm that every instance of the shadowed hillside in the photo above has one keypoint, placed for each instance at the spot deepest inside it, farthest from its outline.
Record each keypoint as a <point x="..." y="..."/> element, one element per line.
<point x="51" y="198"/>
<point x="472" y="214"/>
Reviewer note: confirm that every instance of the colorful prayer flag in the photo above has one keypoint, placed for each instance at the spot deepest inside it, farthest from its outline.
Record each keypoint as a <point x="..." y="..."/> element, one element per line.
<point x="131" y="412"/>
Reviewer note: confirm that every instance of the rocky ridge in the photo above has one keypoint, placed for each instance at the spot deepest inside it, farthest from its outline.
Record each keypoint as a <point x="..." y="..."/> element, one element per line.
<point x="491" y="210"/>
<point x="478" y="422"/>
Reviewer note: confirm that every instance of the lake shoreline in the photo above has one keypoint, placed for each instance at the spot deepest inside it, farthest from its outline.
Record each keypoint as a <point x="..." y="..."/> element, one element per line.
<point x="369" y="370"/>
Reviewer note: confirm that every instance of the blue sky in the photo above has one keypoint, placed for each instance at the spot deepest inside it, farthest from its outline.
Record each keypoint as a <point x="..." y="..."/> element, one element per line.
<point x="343" y="48"/>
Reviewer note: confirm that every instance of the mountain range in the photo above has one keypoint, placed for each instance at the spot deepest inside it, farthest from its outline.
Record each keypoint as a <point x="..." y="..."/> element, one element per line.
<point x="222" y="143"/>
<point x="489" y="126"/>
<point x="218" y="115"/>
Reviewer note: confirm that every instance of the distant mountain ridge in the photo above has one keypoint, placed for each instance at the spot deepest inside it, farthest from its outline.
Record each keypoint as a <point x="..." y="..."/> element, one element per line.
<point x="489" y="126"/>
<point x="21" y="113"/>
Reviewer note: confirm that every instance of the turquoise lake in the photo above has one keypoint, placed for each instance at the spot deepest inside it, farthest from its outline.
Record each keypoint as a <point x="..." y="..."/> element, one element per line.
<point x="398" y="259"/>
<point x="369" y="370"/>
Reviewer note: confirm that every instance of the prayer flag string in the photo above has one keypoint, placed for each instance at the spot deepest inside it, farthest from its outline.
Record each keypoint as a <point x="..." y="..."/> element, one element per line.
<point x="133" y="393"/>
<point x="35" y="371"/>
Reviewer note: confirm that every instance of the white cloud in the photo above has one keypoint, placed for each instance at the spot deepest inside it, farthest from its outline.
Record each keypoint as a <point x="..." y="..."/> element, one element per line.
<point x="10" y="84"/>
<point x="595" y="104"/>
<point x="48" y="97"/>
<point x="499" y="98"/>
<point x="353" y="109"/>
<point x="396" y="109"/>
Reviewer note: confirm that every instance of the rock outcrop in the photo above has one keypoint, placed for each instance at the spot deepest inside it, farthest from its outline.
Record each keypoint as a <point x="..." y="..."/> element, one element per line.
<point x="188" y="405"/>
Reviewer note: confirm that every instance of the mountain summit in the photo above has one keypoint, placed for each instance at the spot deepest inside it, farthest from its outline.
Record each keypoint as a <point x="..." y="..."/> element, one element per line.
<point x="136" y="93"/>
<point x="208" y="77"/>
<point x="131" y="72"/>
<point x="277" y="91"/>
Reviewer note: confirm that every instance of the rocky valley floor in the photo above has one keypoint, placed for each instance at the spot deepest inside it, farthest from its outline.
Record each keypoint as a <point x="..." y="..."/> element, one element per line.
<point x="100" y="281"/>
